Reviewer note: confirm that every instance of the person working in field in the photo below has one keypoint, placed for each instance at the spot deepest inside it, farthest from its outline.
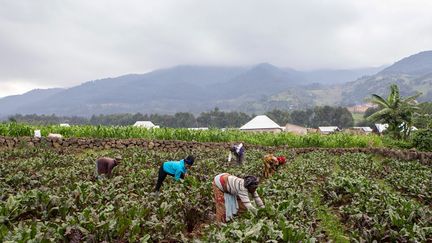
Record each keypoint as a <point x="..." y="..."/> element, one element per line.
<point x="271" y="164"/>
<point x="177" y="169"/>
<point x="105" y="165"/>
<point x="238" y="151"/>
<point x="231" y="195"/>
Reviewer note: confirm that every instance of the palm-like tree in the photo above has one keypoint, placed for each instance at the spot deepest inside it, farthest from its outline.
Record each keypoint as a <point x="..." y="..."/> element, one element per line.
<point x="396" y="111"/>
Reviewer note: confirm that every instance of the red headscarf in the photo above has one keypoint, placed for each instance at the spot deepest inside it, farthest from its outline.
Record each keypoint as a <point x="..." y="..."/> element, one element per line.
<point x="281" y="160"/>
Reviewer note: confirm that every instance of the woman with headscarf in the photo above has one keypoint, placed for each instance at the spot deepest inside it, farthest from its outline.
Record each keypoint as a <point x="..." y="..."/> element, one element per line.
<point x="231" y="195"/>
<point x="176" y="169"/>
<point x="105" y="165"/>
<point x="271" y="164"/>
<point x="238" y="151"/>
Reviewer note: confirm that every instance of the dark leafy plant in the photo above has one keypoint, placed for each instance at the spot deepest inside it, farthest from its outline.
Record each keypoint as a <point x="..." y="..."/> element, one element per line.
<point x="422" y="139"/>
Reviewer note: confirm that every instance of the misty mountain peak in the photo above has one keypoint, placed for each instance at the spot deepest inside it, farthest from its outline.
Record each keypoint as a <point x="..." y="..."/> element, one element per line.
<point x="266" y="66"/>
<point x="198" y="88"/>
<point x="417" y="64"/>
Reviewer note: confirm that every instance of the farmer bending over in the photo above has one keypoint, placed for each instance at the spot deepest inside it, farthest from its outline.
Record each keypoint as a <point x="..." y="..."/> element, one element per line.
<point x="231" y="194"/>
<point x="271" y="164"/>
<point x="105" y="165"/>
<point x="177" y="169"/>
<point x="238" y="151"/>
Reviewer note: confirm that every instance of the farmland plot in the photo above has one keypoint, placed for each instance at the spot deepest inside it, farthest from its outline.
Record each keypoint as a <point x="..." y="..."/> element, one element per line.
<point x="49" y="196"/>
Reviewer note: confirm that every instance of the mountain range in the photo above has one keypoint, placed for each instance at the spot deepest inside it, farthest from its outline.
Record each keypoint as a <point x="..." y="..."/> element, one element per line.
<point x="251" y="89"/>
<point x="412" y="74"/>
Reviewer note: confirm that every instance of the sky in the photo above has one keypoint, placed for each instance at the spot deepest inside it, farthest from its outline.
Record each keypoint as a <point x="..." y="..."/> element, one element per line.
<point x="47" y="43"/>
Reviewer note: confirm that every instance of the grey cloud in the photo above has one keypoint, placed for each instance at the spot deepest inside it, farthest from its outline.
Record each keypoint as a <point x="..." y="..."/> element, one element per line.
<point x="62" y="43"/>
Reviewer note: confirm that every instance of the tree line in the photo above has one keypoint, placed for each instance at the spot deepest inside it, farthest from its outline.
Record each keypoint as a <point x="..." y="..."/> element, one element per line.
<point x="314" y="117"/>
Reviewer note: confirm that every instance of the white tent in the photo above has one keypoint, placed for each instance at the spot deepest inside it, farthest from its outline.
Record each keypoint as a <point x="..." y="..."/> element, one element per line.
<point x="145" y="124"/>
<point x="261" y="123"/>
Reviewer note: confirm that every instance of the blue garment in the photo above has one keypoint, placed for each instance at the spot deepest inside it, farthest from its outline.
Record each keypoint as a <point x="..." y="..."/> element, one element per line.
<point x="231" y="206"/>
<point x="175" y="168"/>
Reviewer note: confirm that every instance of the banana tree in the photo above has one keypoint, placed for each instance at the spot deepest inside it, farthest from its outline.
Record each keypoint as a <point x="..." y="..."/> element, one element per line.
<point x="396" y="111"/>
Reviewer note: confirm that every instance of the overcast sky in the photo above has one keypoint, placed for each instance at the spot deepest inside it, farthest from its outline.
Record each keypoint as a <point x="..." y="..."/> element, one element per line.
<point x="65" y="43"/>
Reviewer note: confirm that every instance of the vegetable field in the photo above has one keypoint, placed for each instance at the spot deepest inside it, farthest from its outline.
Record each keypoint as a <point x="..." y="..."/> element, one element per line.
<point x="47" y="196"/>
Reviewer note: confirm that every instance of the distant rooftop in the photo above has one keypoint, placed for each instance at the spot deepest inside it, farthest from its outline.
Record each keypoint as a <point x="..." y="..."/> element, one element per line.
<point x="145" y="124"/>
<point x="381" y="127"/>
<point x="366" y="129"/>
<point x="260" y="122"/>
<point x="328" y="129"/>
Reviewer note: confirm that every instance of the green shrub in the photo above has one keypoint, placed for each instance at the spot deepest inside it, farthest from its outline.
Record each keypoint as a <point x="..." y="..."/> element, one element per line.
<point x="422" y="139"/>
<point x="391" y="142"/>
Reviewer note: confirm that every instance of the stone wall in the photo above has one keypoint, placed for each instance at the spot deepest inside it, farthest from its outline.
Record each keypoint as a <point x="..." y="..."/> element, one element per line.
<point x="96" y="143"/>
<point x="175" y="146"/>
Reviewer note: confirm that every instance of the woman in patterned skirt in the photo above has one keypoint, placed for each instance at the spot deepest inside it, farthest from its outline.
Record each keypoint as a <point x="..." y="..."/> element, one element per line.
<point x="231" y="195"/>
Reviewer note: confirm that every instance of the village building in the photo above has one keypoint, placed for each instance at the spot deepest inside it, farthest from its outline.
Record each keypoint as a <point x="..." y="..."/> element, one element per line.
<point x="145" y="124"/>
<point x="312" y="130"/>
<point x="360" y="108"/>
<point x="261" y="123"/>
<point x="198" y="128"/>
<point x="328" y="129"/>
<point x="295" y="129"/>
<point x="380" y="128"/>
<point x="358" y="130"/>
